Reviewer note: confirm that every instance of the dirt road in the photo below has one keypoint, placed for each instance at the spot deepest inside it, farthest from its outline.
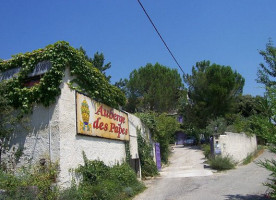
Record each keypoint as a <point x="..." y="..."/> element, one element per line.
<point x="186" y="178"/>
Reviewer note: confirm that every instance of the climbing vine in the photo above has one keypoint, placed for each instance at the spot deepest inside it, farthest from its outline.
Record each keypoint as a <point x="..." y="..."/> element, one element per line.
<point x="88" y="79"/>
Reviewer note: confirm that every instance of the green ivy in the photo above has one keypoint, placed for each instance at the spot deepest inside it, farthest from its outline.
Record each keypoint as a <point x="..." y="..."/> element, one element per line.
<point x="128" y="155"/>
<point x="88" y="79"/>
<point x="148" y="166"/>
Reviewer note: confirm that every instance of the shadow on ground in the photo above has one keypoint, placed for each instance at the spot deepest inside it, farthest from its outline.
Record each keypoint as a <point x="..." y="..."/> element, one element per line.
<point x="187" y="147"/>
<point x="246" y="197"/>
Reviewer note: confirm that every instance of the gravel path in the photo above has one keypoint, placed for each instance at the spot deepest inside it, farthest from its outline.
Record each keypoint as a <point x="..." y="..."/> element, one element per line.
<point x="186" y="178"/>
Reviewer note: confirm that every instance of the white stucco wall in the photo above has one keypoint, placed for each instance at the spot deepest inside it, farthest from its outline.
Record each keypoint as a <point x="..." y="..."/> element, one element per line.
<point x="72" y="145"/>
<point x="237" y="145"/>
<point x="135" y="124"/>
<point x="38" y="137"/>
<point x="52" y="133"/>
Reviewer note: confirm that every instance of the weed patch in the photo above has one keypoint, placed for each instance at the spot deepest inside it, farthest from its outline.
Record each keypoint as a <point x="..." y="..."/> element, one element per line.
<point x="35" y="183"/>
<point x="221" y="163"/>
<point x="253" y="155"/>
<point x="101" y="182"/>
<point x="206" y="150"/>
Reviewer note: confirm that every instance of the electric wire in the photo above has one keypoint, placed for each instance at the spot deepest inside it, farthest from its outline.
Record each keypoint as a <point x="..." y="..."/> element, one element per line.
<point x="160" y="36"/>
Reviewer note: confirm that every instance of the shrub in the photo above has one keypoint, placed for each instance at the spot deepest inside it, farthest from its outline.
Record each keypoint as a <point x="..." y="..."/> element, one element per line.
<point x="221" y="163"/>
<point x="206" y="150"/>
<point x="162" y="128"/>
<point x="270" y="165"/>
<point x="252" y="156"/>
<point x="249" y="158"/>
<point x="33" y="183"/>
<point x="101" y="182"/>
<point x="148" y="166"/>
<point x="220" y="123"/>
<point x="92" y="170"/>
<point x="71" y="193"/>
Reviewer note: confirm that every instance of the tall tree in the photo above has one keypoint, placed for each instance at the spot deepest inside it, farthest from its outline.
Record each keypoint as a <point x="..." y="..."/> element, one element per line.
<point x="248" y="105"/>
<point x="265" y="126"/>
<point x="98" y="62"/>
<point x="267" y="73"/>
<point x="122" y="85"/>
<point x="212" y="91"/>
<point x="153" y="87"/>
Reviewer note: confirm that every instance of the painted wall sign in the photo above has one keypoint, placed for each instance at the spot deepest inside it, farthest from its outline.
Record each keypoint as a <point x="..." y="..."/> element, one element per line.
<point x="97" y="119"/>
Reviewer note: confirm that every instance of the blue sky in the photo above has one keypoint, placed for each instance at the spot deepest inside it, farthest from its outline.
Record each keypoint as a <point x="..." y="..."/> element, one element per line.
<point x="222" y="31"/>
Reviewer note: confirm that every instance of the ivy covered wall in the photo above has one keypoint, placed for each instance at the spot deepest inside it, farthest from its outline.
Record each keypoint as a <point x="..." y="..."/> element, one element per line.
<point x="88" y="79"/>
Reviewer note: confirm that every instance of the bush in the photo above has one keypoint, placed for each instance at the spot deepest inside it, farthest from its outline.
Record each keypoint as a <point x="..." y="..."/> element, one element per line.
<point x="221" y="163"/>
<point x="34" y="183"/>
<point x="252" y="156"/>
<point x="206" y="150"/>
<point x="270" y="165"/>
<point x="148" y="166"/>
<point x="162" y="128"/>
<point x="220" y="123"/>
<point x="101" y="182"/>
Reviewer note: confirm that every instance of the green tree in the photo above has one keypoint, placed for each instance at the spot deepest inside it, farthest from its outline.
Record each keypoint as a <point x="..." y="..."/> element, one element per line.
<point x="267" y="73"/>
<point x="166" y="127"/>
<point x="248" y="105"/>
<point x="268" y="105"/>
<point x="153" y="87"/>
<point x="162" y="128"/>
<point x="122" y="85"/>
<point x="98" y="62"/>
<point x="265" y="126"/>
<point x="212" y="92"/>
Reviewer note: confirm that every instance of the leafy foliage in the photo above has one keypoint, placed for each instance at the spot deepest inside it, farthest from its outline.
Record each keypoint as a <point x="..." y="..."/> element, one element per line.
<point x="9" y="118"/>
<point x="148" y="166"/>
<point x="212" y="91"/>
<point x="267" y="73"/>
<point x="220" y="124"/>
<point x="248" y="106"/>
<point x="37" y="182"/>
<point x="270" y="165"/>
<point x="162" y="128"/>
<point x="98" y="62"/>
<point x="166" y="127"/>
<point x="122" y="85"/>
<point x="266" y="124"/>
<point x="252" y="156"/>
<point x="206" y="148"/>
<point x="153" y="88"/>
<point x="221" y="163"/>
<point x="101" y="182"/>
<point x="89" y="79"/>
<point x="262" y="125"/>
